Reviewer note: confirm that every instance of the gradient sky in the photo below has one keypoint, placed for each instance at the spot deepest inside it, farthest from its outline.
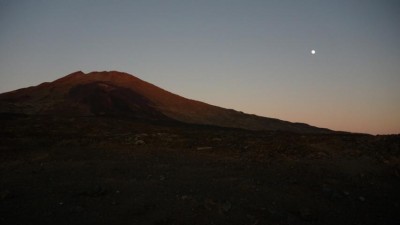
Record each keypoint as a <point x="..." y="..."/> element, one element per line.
<point x="249" y="55"/>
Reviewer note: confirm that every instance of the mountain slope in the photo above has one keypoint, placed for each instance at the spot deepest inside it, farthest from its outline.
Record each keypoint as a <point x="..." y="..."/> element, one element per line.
<point x="116" y="93"/>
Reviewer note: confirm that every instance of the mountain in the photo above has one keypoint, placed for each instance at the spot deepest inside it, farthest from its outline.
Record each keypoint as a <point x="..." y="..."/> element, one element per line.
<point x="120" y="94"/>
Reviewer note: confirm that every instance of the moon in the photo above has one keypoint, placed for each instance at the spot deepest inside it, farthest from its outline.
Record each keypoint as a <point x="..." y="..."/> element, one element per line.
<point x="313" y="52"/>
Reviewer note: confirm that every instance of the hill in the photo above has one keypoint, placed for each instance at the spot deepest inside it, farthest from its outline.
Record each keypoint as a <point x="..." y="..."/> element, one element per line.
<point x="121" y="94"/>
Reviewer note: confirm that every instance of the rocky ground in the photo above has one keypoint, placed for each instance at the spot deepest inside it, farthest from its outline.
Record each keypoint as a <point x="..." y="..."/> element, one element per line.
<point x="96" y="170"/>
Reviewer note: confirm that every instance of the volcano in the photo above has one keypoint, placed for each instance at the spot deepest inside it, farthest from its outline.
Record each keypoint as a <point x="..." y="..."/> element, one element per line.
<point x="113" y="93"/>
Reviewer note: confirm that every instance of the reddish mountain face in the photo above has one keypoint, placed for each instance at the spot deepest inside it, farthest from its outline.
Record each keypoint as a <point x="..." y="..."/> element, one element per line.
<point x="121" y="94"/>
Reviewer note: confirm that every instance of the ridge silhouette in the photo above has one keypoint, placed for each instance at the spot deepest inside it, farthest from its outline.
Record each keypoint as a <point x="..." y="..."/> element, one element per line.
<point x="121" y="94"/>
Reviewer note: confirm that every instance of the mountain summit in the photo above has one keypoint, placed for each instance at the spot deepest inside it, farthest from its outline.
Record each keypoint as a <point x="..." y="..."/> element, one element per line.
<point x="120" y="94"/>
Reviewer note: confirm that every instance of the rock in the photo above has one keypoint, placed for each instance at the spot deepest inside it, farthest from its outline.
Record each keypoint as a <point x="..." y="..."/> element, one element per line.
<point x="96" y="191"/>
<point x="306" y="214"/>
<point x="397" y="172"/>
<point x="77" y="209"/>
<point x="204" y="148"/>
<point x="276" y="215"/>
<point x="361" y="198"/>
<point x="141" y="135"/>
<point x="139" y="142"/>
<point x="331" y="193"/>
<point x="209" y="204"/>
<point x="346" y="193"/>
<point x="226" y="206"/>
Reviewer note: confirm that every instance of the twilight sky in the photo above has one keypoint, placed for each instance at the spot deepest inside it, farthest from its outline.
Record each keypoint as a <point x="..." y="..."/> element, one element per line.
<point x="249" y="55"/>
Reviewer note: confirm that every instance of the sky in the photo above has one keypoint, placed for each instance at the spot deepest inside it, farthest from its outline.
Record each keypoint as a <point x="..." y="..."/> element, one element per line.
<point x="250" y="55"/>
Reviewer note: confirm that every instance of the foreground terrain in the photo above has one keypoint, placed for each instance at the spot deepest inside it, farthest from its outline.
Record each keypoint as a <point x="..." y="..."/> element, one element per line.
<point x="104" y="170"/>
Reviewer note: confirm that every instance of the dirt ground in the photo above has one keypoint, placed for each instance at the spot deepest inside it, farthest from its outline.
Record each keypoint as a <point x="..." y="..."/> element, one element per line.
<point x="94" y="170"/>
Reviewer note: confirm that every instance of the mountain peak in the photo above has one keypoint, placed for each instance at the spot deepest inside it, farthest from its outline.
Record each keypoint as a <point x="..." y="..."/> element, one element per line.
<point x="111" y="75"/>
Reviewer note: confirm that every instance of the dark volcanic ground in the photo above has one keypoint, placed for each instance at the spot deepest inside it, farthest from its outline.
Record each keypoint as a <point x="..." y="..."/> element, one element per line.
<point x="98" y="170"/>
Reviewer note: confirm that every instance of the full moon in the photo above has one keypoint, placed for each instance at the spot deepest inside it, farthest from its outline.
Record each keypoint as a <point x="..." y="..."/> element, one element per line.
<point x="313" y="52"/>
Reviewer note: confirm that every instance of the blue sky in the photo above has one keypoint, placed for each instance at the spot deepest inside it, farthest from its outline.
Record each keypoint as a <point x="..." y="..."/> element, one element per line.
<point x="249" y="55"/>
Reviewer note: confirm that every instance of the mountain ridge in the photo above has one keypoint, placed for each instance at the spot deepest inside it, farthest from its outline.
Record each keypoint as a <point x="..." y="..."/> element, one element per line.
<point x="122" y="94"/>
